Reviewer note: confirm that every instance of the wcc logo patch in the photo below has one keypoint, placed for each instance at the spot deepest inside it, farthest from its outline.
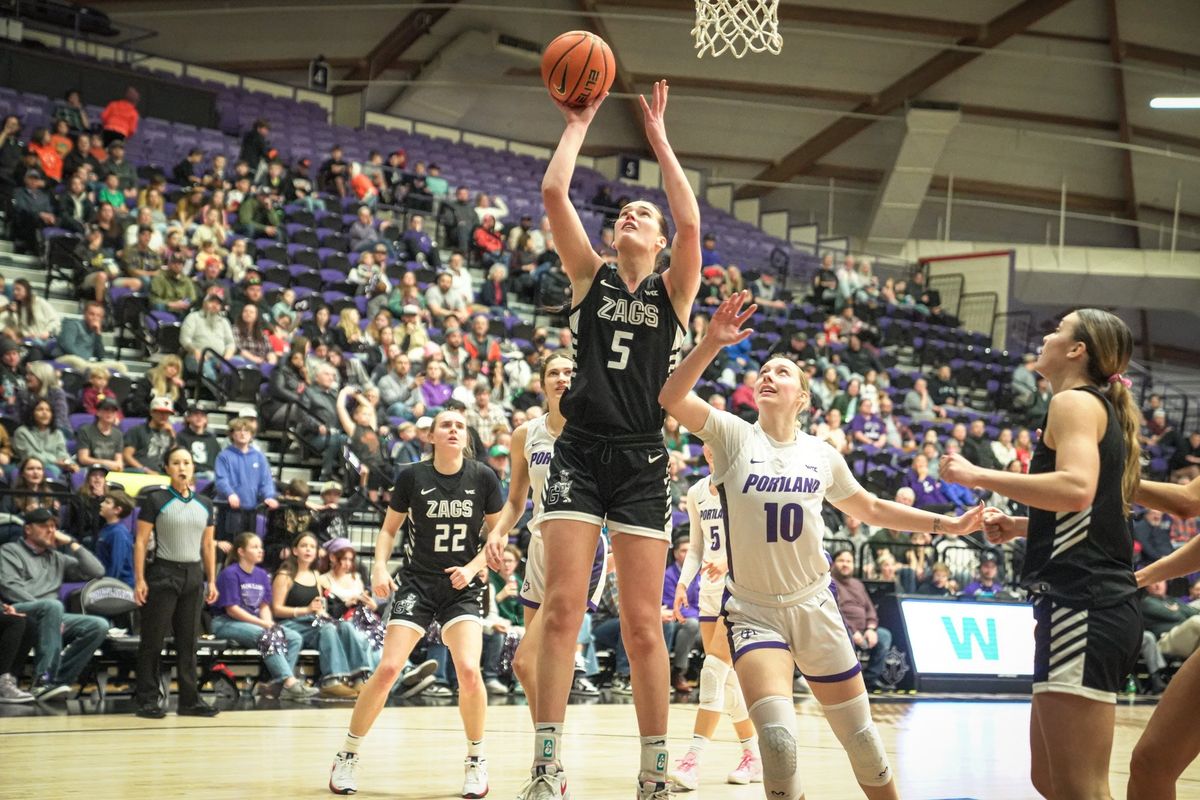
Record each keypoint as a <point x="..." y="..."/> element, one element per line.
<point x="560" y="490"/>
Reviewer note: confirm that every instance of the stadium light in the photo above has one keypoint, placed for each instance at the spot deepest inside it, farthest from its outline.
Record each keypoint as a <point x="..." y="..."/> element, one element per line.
<point x="1175" y="102"/>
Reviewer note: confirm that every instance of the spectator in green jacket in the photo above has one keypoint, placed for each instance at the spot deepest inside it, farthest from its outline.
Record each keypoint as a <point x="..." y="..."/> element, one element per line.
<point x="171" y="290"/>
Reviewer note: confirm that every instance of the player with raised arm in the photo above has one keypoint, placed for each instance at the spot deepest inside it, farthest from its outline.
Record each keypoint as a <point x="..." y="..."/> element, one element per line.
<point x="610" y="463"/>
<point x="779" y="606"/>
<point x="1079" y="555"/>
<point x="449" y="499"/>
<point x="720" y="691"/>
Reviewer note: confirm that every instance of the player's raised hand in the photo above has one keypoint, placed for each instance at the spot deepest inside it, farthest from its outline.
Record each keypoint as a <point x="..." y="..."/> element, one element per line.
<point x="581" y="115"/>
<point x="654" y="112"/>
<point x="725" y="327"/>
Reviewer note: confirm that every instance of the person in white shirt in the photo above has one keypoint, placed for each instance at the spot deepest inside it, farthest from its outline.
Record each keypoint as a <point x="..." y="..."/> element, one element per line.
<point x="778" y="606"/>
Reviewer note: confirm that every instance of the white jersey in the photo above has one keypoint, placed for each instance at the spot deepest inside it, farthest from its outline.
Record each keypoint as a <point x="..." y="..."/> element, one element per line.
<point x="772" y="494"/>
<point x="707" y="520"/>
<point x="539" y="446"/>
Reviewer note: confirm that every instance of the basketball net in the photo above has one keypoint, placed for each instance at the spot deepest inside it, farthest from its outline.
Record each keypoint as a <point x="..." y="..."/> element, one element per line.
<point x="737" y="26"/>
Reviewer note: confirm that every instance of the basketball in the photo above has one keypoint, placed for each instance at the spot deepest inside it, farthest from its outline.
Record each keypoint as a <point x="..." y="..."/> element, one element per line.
<point x="578" y="67"/>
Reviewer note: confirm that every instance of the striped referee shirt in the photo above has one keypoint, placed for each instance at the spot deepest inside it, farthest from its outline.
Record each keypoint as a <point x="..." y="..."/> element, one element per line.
<point x="178" y="521"/>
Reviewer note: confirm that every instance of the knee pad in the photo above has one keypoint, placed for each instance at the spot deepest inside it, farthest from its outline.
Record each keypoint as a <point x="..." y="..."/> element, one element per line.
<point x="852" y="725"/>
<point x="735" y="703"/>
<point x="775" y="720"/>
<point x="713" y="677"/>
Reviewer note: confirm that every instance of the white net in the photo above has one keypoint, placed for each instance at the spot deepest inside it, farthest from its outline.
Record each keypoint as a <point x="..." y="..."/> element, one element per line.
<point x="736" y="26"/>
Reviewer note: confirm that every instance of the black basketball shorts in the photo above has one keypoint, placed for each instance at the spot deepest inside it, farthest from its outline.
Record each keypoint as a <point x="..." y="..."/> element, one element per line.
<point x="1085" y="651"/>
<point x="422" y="599"/>
<point x="616" y="481"/>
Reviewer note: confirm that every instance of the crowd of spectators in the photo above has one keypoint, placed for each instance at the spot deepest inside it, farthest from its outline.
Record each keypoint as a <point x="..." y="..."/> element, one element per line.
<point x="425" y="275"/>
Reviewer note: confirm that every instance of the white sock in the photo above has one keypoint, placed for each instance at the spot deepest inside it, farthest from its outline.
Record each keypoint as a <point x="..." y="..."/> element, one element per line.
<point x="351" y="744"/>
<point x="750" y="745"/>
<point x="698" y="743"/>
<point x="546" y="741"/>
<point x="654" y="759"/>
<point x="474" y="749"/>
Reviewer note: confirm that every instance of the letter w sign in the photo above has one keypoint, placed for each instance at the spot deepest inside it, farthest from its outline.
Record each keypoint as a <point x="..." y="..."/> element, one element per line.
<point x="989" y="644"/>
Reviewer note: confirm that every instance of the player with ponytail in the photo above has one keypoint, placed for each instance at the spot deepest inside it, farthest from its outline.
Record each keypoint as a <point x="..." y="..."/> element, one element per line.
<point x="1078" y="569"/>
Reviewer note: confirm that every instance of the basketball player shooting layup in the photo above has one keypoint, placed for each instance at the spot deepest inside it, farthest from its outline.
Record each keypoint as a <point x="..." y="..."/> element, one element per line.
<point x="610" y="463"/>
<point x="778" y="605"/>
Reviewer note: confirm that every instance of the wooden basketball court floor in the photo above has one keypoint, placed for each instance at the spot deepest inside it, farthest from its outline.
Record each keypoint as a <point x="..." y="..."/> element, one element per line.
<point x="944" y="748"/>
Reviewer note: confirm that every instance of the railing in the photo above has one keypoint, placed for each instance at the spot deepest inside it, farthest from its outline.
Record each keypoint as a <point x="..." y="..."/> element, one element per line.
<point x="977" y="312"/>
<point x="950" y="287"/>
<point x="225" y="369"/>
<point x="1013" y="331"/>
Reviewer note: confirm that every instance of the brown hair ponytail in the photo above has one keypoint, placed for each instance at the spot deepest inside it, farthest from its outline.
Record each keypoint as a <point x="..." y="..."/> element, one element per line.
<point x="1110" y="346"/>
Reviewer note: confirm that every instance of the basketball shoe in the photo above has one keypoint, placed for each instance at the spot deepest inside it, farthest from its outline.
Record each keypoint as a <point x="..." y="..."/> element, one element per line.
<point x="547" y="782"/>
<point x="653" y="790"/>
<point x="475" y="778"/>
<point x="686" y="773"/>
<point x="341" y="776"/>
<point x="748" y="770"/>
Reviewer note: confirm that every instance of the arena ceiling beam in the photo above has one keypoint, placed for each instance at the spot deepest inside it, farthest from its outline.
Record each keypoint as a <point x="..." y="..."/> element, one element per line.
<point x="1158" y="55"/>
<point x="997" y="31"/>
<point x="397" y="41"/>
<point x="1123" y="130"/>
<point x="294" y="64"/>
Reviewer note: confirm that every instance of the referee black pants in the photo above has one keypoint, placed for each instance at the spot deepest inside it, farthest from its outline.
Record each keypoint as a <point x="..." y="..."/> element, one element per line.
<point x="173" y="606"/>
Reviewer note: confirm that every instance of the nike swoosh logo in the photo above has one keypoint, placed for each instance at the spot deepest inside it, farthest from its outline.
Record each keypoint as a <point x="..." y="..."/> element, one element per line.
<point x="757" y="460"/>
<point x="562" y="80"/>
<point x="609" y="285"/>
<point x="427" y="491"/>
<point x="655" y="458"/>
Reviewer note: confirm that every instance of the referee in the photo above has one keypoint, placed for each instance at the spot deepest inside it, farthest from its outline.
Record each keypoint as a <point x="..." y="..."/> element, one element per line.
<point x="172" y="589"/>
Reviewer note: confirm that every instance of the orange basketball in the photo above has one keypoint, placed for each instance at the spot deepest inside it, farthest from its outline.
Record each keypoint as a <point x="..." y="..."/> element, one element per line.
<point x="578" y="67"/>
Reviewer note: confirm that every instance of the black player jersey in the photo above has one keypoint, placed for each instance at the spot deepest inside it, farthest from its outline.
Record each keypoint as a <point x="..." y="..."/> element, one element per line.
<point x="446" y="512"/>
<point x="626" y="345"/>
<point x="1083" y="558"/>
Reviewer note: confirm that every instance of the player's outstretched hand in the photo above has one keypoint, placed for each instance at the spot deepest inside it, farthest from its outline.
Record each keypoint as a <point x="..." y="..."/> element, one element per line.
<point x="715" y="569"/>
<point x="381" y="581"/>
<point x="969" y="521"/>
<point x="956" y="469"/>
<point x="725" y="327"/>
<point x="654" y="113"/>
<point x="582" y="116"/>
<point x="459" y="576"/>
<point x="494" y="549"/>
<point x="999" y="527"/>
